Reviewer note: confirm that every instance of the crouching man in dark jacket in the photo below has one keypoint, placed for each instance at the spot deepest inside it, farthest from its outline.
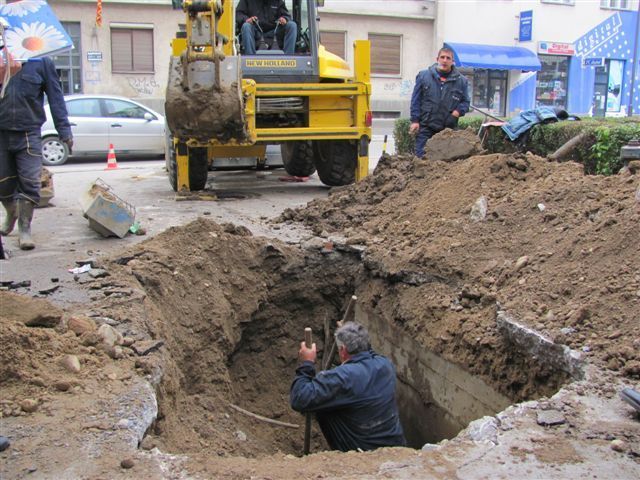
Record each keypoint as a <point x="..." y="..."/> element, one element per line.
<point x="355" y="402"/>
<point x="21" y="116"/>
<point x="439" y="98"/>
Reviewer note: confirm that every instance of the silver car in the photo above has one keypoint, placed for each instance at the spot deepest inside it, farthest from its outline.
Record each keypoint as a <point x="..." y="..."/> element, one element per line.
<point x="100" y="120"/>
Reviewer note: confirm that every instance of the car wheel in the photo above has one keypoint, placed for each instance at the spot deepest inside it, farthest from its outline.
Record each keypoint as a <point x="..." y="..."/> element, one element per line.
<point x="54" y="151"/>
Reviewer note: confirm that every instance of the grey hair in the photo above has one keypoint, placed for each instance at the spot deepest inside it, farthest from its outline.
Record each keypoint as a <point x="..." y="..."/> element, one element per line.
<point x="354" y="337"/>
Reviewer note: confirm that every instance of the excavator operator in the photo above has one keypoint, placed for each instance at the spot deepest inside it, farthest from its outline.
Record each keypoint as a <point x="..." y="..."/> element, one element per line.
<point x="264" y="18"/>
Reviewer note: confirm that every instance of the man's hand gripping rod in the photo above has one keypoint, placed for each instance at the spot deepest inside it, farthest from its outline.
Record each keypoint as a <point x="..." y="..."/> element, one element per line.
<point x="307" y="420"/>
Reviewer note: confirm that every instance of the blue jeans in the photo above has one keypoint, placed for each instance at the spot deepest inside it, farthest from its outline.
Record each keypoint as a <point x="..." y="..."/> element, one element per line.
<point x="20" y="165"/>
<point x="285" y="34"/>
<point x="424" y="134"/>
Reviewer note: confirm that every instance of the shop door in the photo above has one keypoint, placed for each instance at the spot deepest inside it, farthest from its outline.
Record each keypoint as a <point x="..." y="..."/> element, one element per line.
<point x="607" y="88"/>
<point x="489" y="90"/>
<point x="600" y="91"/>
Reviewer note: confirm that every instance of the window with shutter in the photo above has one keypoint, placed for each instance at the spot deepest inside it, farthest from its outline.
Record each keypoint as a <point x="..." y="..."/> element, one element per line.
<point x="132" y="50"/>
<point x="334" y="42"/>
<point x="386" y="54"/>
<point x="616" y="4"/>
<point x="562" y="2"/>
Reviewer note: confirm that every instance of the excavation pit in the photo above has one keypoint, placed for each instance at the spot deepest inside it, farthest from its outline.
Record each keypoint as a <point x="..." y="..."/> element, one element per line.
<point x="232" y="328"/>
<point x="199" y="306"/>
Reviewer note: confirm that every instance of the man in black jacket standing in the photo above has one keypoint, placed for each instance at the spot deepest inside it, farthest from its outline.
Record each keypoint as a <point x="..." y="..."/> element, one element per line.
<point x="261" y="16"/>
<point x="21" y="116"/>
<point x="439" y="98"/>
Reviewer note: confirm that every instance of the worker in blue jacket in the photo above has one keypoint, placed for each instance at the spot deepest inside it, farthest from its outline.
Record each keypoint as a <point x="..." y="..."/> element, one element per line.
<point x="440" y="97"/>
<point x="355" y="402"/>
<point x="21" y="116"/>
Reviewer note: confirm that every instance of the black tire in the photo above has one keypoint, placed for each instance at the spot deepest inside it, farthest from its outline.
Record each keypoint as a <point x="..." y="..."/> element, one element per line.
<point x="297" y="158"/>
<point x="54" y="151"/>
<point x="336" y="161"/>
<point x="198" y="167"/>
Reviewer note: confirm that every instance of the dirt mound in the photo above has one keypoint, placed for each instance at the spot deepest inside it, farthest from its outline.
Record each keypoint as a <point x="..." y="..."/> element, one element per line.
<point x="556" y="248"/>
<point x="450" y="145"/>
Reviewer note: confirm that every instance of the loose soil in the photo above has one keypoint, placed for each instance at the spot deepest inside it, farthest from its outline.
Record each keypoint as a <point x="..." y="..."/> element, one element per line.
<point x="195" y="112"/>
<point x="207" y="315"/>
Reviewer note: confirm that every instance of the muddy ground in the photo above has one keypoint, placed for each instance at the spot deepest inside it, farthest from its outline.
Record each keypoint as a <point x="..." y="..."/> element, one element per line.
<point x="142" y="381"/>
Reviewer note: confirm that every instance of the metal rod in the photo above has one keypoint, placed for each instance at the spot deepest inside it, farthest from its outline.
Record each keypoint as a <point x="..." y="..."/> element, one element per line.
<point x="486" y="114"/>
<point x="307" y="419"/>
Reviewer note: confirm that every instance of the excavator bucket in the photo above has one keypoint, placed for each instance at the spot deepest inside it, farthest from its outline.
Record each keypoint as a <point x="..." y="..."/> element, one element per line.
<point x="204" y="95"/>
<point x="198" y="107"/>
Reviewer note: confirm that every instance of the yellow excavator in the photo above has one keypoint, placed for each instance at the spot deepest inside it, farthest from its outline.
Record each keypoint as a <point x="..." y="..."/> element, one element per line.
<point x="223" y="107"/>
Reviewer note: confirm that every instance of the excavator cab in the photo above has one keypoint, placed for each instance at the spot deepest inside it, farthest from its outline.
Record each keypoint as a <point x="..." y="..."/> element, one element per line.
<point x="302" y="66"/>
<point x="272" y="42"/>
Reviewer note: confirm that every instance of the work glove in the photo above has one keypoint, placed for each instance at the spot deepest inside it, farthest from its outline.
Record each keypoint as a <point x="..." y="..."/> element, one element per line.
<point x="69" y="142"/>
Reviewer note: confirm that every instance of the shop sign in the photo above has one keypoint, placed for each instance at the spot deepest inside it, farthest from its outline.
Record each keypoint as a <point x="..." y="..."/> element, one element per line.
<point x="598" y="37"/>
<point x="555" y="48"/>
<point x="93" y="56"/>
<point x="593" y="62"/>
<point x="526" y="24"/>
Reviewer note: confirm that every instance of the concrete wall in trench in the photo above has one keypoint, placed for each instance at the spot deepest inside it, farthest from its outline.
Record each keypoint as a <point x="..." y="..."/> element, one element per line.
<point x="436" y="398"/>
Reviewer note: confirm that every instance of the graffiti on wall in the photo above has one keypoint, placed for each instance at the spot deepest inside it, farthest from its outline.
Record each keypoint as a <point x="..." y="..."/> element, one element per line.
<point x="143" y="85"/>
<point x="403" y="88"/>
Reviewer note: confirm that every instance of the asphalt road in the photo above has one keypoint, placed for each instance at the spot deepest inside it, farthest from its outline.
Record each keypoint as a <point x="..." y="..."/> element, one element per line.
<point x="63" y="235"/>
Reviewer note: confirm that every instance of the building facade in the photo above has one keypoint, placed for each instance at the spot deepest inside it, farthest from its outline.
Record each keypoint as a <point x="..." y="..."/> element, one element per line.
<point x="587" y="52"/>
<point x="402" y="35"/>
<point x="123" y="49"/>
<point x="127" y="52"/>
<point x="581" y="55"/>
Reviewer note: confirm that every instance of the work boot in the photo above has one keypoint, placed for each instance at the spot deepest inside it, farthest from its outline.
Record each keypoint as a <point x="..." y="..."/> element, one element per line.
<point x="25" y="215"/>
<point x="10" y="220"/>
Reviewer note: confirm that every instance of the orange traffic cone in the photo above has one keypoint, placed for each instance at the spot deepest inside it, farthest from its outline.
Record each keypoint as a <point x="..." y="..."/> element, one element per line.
<point x="111" y="158"/>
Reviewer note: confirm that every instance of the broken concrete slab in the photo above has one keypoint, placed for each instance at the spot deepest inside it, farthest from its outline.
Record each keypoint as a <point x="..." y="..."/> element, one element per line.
<point x="108" y="214"/>
<point x="548" y="418"/>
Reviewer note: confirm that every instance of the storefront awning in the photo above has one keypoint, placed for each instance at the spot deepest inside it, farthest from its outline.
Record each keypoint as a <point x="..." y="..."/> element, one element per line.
<point x="494" y="57"/>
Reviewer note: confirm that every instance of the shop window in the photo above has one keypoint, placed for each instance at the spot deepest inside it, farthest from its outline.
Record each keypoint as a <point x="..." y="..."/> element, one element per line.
<point x="488" y="89"/>
<point x="386" y="53"/>
<point x="132" y="50"/>
<point x="551" y="85"/>
<point x="616" y="4"/>
<point x="334" y="42"/>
